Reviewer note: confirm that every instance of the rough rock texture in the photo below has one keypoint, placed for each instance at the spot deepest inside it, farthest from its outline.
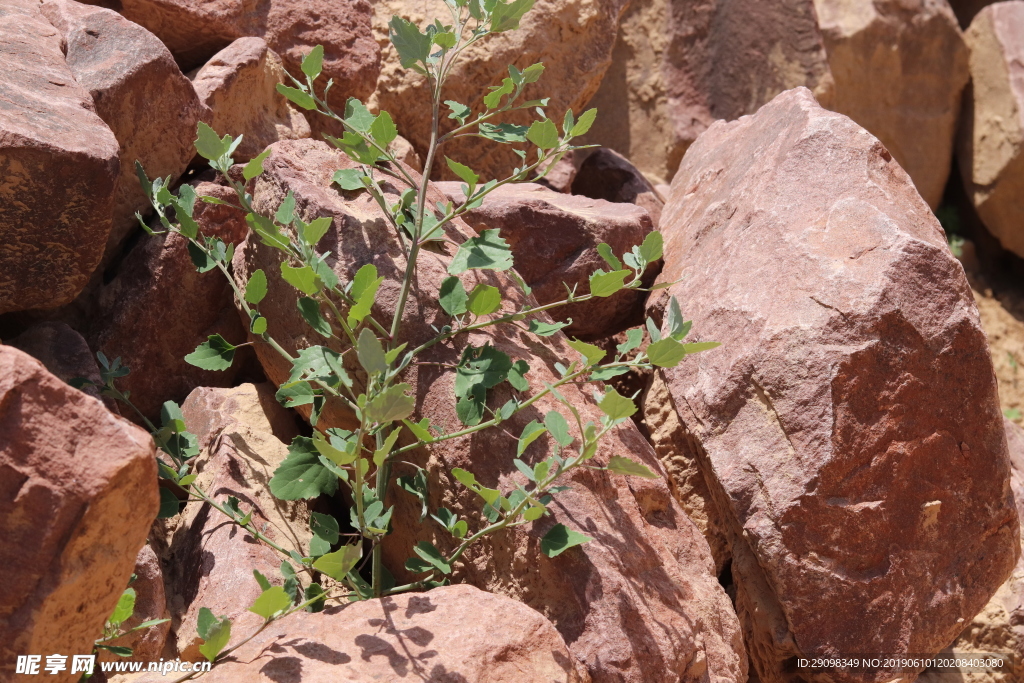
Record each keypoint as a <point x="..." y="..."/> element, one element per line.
<point x="243" y="433"/>
<point x="848" y="428"/>
<point x="608" y="175"/>
<point x="433" y="636"/>
<point x="64" y="352"/>
<point x="158" y="309"/>
<point x="678" y="65"/>
<point x="196" y="30"/>
<point x="573" y="38"/>
<point x="899" y="69"/>
<point x="239" y="85"/>
<point x="1005" y="335"/>
<point x="640" y="603"/>
<point x="59" y="165"/>
<point x="139" y="93"/>
<point x="554" y="239"/>
<point x="150" y="603"/>
<point x="991" y="152"/>
<point x="77" y="497"/>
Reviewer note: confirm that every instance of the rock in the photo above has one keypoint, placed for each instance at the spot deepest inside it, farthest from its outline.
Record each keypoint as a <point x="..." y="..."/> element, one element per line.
<point x="78" y="494"/>
<point x="992" y="135"/>
<point x="157" y="309"/>
<point x="573" y="39"/>
<point x="554" y="240"/>
<point x="150" y="603"/>
<point x="53" y="233"/>
<point x="899" y="69"/>
<point x="139" y="92"/>
<point x="239" y="85"/>
<point x="423" y="636"/>
<point x="1005" y="334"/>
<point x="243" y="434"/>
<point x="406" y="154"/>
<point x="65" y="354"/>
<point x="560" y="175"/>
<point x="608" y="175"/>
<point x="195" y="31"/>
<point x="848" y="428"/>
<point x="680" y="65"/>
<point x="640" y="603"/>
<point x="966" y="10"/>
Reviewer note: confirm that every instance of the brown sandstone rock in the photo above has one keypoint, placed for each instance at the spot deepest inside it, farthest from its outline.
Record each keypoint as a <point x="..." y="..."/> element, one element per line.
<point x="64" y="352"/>
<point x="139" y="93"/>
<point x="158" y="309"/>
<point x="77" y="497"/>
<point x="243" y="434"/>
<point x="150" y="603"/>
<point x="899" y="68"/>
<point x="59" y="165"/>
<point x="848" y="429"/>
<point x="239" y="85"/>
<point x="554" y="240"/>
<point x="640" y="603"/>
<point x="678" y="65"/>
<point x="573" y="38"/>
<point x="608" y="175"/>
<point x="992" y="135"/>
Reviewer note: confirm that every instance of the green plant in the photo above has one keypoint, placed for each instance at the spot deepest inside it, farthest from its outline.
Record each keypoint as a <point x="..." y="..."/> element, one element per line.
<point x="361" y="461"/>
<point x="113" y="629"/>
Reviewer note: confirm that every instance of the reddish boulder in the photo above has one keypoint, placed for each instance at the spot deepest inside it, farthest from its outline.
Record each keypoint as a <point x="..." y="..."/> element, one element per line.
<point x="848" y="428"/>
<point x="606" y="174"/>
<point x="78" y="494"/>
<point x="150" y="603"/>
<point x="64" y="352"/>
<point x="59" y="165"/>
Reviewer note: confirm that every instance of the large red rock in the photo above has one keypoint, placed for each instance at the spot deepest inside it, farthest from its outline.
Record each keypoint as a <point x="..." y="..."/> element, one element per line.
<point x="679" y="65"/>
<point x="78" y="494"/>
<point x="65" y="353"/>
<point x="992" y="135"/>
<point x="640" y="602"/>
<point x="899" y="69"/>
<point x="59" y="165"/>
<point x="848" y="428"/>
<point x="554" y="238"/>
<point x="150" y="604"/>
<point x="139" y="93"/>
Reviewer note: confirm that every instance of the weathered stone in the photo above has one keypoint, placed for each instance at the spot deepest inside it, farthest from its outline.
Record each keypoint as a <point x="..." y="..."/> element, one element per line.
<point x="640" y="602"/>
<point x="78" y="494"/>
<point x="1005" y="334"/>
<point x="899" y="69"/>
<point x="157" y="309"/>
<point x="966" y="10"/>
<point x="139" y="92"/>
<point x="991" y="151"/>
<point x="678" y="65"/>
<point x="150" y="603"/>
<point x="239" y="84"/>
<point x="573" y="39"/>
<point x="554" y="240"/>
<point x="608" y="175"/>
<point x="848" y="428"/>
<point x="559" y="175"/>
<point x="64" y="352"/>
<point x="59" y="165"/>
<point x="243" y="434"/>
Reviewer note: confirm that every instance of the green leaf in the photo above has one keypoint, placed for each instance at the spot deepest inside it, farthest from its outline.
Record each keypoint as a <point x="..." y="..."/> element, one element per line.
<point x="370" y="352"/>
<point x="459" y="110"/>
<point x="297" y="97"/>
<point x="118" y="650"/>
<point x="543" y="329"/>
<point x="470" y="410"/>
<point x="484" y="300"/>
<point x="350" y="179"/>
<point x="256" y="288"/>
<point x="295" y="394"/>
<point x="314" y="232"/>
<point x="674" y="320"/>
<point x="324" y="526"/>
<point x="381" y="453"/>
<point x="169" y="504"/>
<point x="606" y="373"/>
<point x="391" y="404"/>
<point x="302" y="475"/>
<point x="605" y="284"/>
<point x="444" y="39"/>
<point x="532" y="73"/>
<point x="493" y="98"/>
<point x="358" y="116"/>
<point x="332" y="452"/>
<point x="453" y="297"/>
<point x="267" y="231"/>
<point x="544" y="134"/>
<point x="214" y="354"/>
<point x="651" y="249"/>
<point x="412" y="45"/>
<point x="464" y="172"/>
<point x="558" y="427"/>
<point x="261" y="580"/>
<point x="531" y="432"/>
<point x="310" y="310"/>
<point x="517" y="375"/>
<point x="609" y="256"/>
<point x="209" y="145"/>
<point x="697" y="347"/>
<point x="312" y="63"/>
<point x="432" y="556"/>
<point x="486" y="251"/>
<point x="255" y="165"/>
<point x="485" y="366"/>
<point x="506" y="16"/>
<point x="125" y="607"/>
<point x="200" y="259"/>
<point x="630" y="468"/>
<point x="592" y="354"/>
<point x="583" y="124"/>
<point x="313" y="590"/>
<point x="417" y="486"/>
<point x="364" y="290"/>
<point x="634" y="337"/>
<point x="666" y="353"/>
<point x="302" y="279"/>
<point x="339" y="563"/>
<point x="560" y="538"/>
<point x="217" y="633"/>
<point x="503" y="132"/>
<point x="421" y="429"/>
<point x="383" y="129"/>
<point x="616" y="406"/>
<point x="271" y="601"/>
<point x="1012" y="413"/>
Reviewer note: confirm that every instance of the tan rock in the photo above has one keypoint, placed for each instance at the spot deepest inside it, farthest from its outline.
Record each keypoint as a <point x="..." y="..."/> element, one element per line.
<point x="606" y="174"/>
<point x="1005" y="334"/>
<point x="848" y="428"/>
<point x="640" y="603"/>
<point x="139" y="93"/>
<point x="992" y="135"/>
<point x="573" y="39"/>
<point x="52" y="233"/>
<point x="78" y="494"/>
<point x="239" y="85"/>
<point x="554" y="240"/>
<point x="678" y="65"/>
<point x="899" y="69"/>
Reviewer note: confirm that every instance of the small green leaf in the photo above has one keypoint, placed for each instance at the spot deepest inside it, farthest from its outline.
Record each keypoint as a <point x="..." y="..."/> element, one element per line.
<point x="484" y="300"/>
<point x="302" y="475"/>
<point x="261" y="580"/>
<point x="270" y="602"/>
<point x="324" y="526"/>
<point x="616" y="406"/>
<point x="383" y="129"/>
<point x="313" y="590"/>
<point x="169" y="504"/>
<point x="609" y="256"/>
<point x="453" y="297"/>
<point x="459" y="110"/>
<point x="432" y="556"/>
<point x="297" y="97"/>
<point x="560" y="538"/>
<point x="214" y="354"/>
<point x="255" y="165"/>
<point x="605" y="284"/>
<point x="666" y="353"/>
<point x="332" y="452"/>
<point x="531" y="432"/>
<point x="125" y="607"/>
<point x="302" y="279"/>
<point x="370" y="352"/>
<point x="421" y="429"/>
<point x="486" y="251"/>
<point x="634" y="337"/>
<point x="310" y="310"/>
<point x="339" y="563"/>
<point x="314" y="232"/>
<point x="364" y="290"/>
<point x="256" y="288"/>
<point x="544" y="134"/>
<point x="464" y="172"/>
<point x="1012" y="413"/>
<point x="209" y="145"/>
<point x="543" y="329"/>
<point x="697" y="347"/>
<point x="506" y="16"/>
<point x="584" y="123"/>
<point x="503" y="132"/>
<point x="216" y="634"/>
<point x="381" y="453"/>
<point x="651" y="249"/>
<point x="558" y="427"/>
<point x="350" y="179"/>
<point x="517" y="376"/>
<point x="391" y="404"/>
<point x="312" y="63"/>
<point x="493" y="98"/>
<point x="592" y="354"/>
<point x="630" y="468"/>
<point x="412" y="45"/>
<point x="532" y="73"/>
<point x="358" y="116"/>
